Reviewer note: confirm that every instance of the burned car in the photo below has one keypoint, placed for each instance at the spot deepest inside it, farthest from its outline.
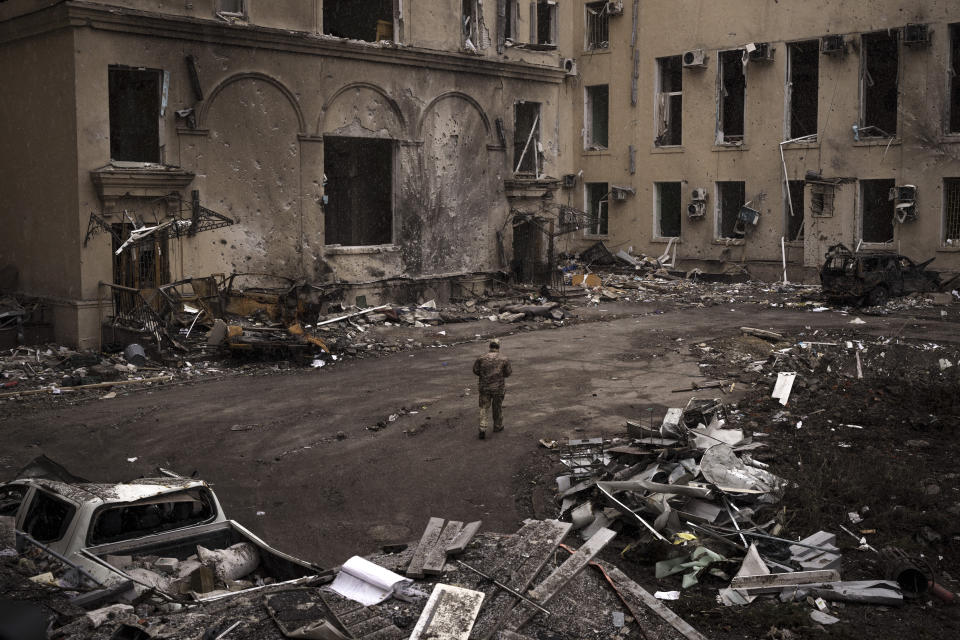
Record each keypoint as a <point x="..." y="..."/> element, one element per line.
<point x="873" y="277"/>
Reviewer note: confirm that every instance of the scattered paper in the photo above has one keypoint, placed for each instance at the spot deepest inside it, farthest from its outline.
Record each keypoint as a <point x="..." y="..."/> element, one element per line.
<point x="367" y="583"/>
<point x="781" y="391"/>
<point x="857" y="321"/>
<point x="109" y="396"/>
<point x="667" y="595"/>
<point x="134" y="459"/>
<point x="316" y="364"/>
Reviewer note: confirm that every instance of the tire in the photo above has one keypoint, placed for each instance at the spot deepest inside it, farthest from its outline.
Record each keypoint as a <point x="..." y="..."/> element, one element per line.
<point x="878" y="296"/>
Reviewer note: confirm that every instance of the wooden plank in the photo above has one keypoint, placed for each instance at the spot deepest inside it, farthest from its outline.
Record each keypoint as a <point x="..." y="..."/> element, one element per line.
<point x="437" y="557"/>
<point x="458" y="544"/>
<point x="449" y="614"/>
<point x="639" y="599"/>
<point x="517" y="565"/>
<point x="774" y="582"/>
<point x="427" y="542"/>
<point x="557" y="580"/>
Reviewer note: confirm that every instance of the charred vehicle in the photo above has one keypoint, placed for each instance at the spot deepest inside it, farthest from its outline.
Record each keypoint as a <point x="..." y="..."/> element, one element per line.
<point x="873" y="277"/>
<point x="167" y="534"/>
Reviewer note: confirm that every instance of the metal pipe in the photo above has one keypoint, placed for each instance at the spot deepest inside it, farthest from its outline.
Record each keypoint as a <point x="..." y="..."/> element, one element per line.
<point x="503" y="586"/>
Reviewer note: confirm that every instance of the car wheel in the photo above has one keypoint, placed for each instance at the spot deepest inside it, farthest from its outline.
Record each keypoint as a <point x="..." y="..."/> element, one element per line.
<point x="878" y="297"/>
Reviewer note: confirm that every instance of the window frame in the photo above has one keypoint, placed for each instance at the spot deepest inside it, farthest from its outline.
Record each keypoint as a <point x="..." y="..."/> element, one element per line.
<point x="721" y="135"/>
<point x="242" y="14"/>
<point x="162" y="97"/>
<point x="952" y="116"/>
<point x="394" y="218"/>
<point x="590" y="93"/>
<point x="535" y="23"/>
<point x="718" y="208"/>
<point x="30" y="501"/>
<point x="658" y="210"/>
<point x="533" y="141"/>
<point x="945" y="205"/>
<point x="589" y="30"/>
<point x="661" y="107"/>
<point x="861" y="213"/>
<point x="862" y="84"/>
<point x="603" y="216"/>
<point x="789" y="95"/>
<point x="797" y="206"/>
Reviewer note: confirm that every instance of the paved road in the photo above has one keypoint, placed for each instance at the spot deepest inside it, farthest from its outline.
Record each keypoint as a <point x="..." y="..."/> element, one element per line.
<point x="325" y="498"/>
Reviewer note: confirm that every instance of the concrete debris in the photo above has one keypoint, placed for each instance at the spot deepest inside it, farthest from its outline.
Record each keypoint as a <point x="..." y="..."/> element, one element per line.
<point x="449" y="614"/>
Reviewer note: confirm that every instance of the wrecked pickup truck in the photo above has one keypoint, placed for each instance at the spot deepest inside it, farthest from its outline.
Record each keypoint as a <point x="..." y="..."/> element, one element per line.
<point x="167" y="534"/>
<point x="873" y="277"/>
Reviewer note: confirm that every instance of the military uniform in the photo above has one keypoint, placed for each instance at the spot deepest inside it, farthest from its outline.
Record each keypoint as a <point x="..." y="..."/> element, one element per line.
<point x="492" y="369"/>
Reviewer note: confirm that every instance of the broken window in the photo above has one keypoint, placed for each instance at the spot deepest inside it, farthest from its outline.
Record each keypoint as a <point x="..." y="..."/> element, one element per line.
<point x="731" y="196"/>
<point x="669" y="101"/>
<point x="142" y="265"/>
<point x="543" y="22"/>
<point x="951" y="211"/>
<point x="152" y="515"/>
<point x="236" y="8"/>
<point x="793" y="211"/>
<point x="732" y="89"/>
<point x="469" y="23"/>
<point x="135" y="102"/>
<point x="359" y="209"/>
<point x="803" y="82"/>
<point x="48" y="517"/>
<point x="598" y="25"/>
<point x="526" y="138"/>
<point x="597" y="116"/>
<point x="821" y="199"/>
<point x="954" y="72"/>
<point x="876" y="208"/>
<point x="597" y="195"/>
<point x="10" y="498"/>
<point x="509" y="17"/>
<point x="669" y="209"/>
<point x="879" y="84"/>
<point x="369" y="20"/>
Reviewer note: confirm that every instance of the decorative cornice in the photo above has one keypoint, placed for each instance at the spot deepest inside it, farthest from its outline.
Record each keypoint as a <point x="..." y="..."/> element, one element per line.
<point x="80" y="14"/>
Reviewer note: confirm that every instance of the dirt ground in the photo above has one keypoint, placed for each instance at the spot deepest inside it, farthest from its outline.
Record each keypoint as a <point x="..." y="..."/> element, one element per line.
<point x="298" y="455"/>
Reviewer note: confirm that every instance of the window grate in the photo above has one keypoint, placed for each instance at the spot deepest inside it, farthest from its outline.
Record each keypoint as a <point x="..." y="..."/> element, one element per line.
<point x="951" y="210"/>
<point x="598" y="25"/>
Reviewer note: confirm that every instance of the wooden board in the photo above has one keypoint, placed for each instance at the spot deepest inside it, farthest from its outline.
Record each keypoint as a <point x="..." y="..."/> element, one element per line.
<point x="437" y="557"/>
<point x="427" y="542"/>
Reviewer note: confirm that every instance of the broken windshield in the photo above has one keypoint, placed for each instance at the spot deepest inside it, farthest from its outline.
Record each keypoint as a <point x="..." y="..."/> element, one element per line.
<point x="116" y="522"/>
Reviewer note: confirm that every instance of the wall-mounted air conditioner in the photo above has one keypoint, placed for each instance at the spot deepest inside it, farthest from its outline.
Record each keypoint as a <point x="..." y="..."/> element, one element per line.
<point x="569" y="180"/>
<point x="759" y="51"/>
<point x="916" y="35"/>
<point x="905" y="203"/>
<point x="570" y="66"/>
<point x="699" y="195"/>
<point x="615" y="7"/>
<point x="833" y="45"/>
<point x="696" y="209"/>
<point x="695" y="59"/>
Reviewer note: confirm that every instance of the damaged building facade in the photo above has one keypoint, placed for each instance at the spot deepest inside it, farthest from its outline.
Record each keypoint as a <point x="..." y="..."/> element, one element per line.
<point x="354" y="141"/>
<point x="376" y="142"/>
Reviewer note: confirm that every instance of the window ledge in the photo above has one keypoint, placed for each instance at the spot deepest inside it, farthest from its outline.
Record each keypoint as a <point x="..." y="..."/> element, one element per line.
<point x="948" y="248"/>
<point x="589" y="52"/>
<point x="675" y="148"/>
<point x="730" y="147"/>
<point x="810" y="144"/>
<point x="950" y="138"/>
<point x="876" y="142"/>
<point x="877" y="245"/>
<point x="795" y="243"/>
<point x="666" y="240"/>
<point x="340" y="250"/>
<point x="596" y="152"/>
<point x="595" y="236"/>
<point x="729" y="242"/>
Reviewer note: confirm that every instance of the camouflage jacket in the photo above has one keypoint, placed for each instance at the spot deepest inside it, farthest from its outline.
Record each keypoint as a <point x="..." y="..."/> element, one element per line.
<point x="492" y="369"/>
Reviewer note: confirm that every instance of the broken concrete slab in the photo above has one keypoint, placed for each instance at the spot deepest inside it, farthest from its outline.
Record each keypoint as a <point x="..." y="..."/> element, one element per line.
<point x="449" y="614"/>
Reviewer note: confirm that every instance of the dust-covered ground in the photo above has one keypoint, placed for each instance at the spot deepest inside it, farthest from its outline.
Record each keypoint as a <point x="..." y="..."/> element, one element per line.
<point x="312" y="461"/>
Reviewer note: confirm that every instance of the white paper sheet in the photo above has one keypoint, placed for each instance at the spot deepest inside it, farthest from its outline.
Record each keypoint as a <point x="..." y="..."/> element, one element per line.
<point x="367" y="583"/>
<point x="781" y="391"/>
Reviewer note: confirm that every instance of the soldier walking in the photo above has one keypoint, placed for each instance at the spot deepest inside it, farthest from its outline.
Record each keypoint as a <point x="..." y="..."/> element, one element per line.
<point x="492" y="368"/>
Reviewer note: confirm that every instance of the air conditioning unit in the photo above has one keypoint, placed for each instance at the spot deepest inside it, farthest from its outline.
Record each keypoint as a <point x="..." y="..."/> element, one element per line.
<point x="916" y="35"/>
<point x="833" y="45"/>
<point x="905" y="207"/>
<point x="699" y="195"/>
<point x="621" y="193"/>
<point x="615" y="7"/>
<point x="760" y="51"/>
<point x="696" y="209"/>
<point x="570" y="66"/>
<point x="694" y="59"/>
<point x="569" y="180"/>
